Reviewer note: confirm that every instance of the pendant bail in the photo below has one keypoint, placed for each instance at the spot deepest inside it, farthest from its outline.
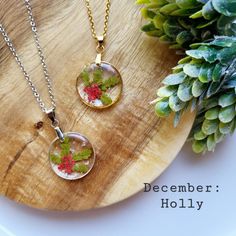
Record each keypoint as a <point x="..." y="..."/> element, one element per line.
<point x="100" y="49"/>
<point x="55" y="124"/>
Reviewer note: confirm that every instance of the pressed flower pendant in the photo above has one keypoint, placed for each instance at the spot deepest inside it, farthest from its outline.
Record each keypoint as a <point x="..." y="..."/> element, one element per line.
<point x="99" y="85"/>
<point x="72" y="158"/>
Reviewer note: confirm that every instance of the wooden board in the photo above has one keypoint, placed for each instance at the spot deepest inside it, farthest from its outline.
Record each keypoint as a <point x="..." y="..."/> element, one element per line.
<point x="133" y="145"/>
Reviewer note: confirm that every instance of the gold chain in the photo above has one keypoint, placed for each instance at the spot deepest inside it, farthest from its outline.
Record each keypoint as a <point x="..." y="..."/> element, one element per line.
<point x="91" y="20"/>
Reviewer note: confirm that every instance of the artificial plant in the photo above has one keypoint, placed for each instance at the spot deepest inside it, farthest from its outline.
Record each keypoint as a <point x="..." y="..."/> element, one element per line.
<point x="183" y="22"/>
<point x="205" y="79"/>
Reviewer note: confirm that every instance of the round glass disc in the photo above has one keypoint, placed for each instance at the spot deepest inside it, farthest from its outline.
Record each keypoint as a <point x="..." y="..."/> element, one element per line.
<point x="73" y="158"/>
<point x="99" y="86"/>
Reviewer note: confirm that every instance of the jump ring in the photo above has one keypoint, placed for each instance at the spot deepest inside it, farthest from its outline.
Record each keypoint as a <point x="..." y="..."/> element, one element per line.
<point x="100" y="48"/>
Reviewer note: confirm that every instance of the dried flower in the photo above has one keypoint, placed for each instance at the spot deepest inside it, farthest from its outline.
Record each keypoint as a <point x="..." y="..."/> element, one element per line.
<point x="93" y="92"/>
<point x="67" y="164"/>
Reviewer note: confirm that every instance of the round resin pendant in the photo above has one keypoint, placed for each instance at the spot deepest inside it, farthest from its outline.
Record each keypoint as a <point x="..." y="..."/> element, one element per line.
<point x="99" y="86"/>
<point x="73" y="158"/>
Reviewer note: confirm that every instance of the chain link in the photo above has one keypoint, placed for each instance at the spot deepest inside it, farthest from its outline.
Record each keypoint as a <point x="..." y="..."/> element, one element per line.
<point x="42" y="59"/>
<point x="91" y="20"/>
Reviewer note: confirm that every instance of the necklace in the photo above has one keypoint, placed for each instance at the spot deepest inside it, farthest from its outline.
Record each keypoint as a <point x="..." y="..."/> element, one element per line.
<point x="71" y="155"/>
<point x="100" y="83"/>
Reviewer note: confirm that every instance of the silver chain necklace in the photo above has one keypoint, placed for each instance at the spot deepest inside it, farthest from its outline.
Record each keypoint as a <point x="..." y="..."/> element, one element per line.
<point x="71" y="154"/>
<point x="42" y="58"/>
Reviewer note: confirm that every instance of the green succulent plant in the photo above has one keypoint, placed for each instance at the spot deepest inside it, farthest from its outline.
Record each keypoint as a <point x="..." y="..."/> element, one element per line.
<point x="198" y="76"/>
<point x="205" y="79"/>
<point x="203" y="76"/>
<point x="183" y="22"/>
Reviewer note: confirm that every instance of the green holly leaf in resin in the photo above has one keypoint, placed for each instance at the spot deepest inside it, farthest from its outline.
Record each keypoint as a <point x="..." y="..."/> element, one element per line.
<point x="83" y="155"/>
<point x="106" y="100"/>
<point x="85" y="77"/>
<point x="109" y="83"/>
<point x="66" y="140"/>
<point x="82" y="168"/>
<point x="97" y="77"/>
<point x="65" y="147"/>
<point x="55" y="159"/>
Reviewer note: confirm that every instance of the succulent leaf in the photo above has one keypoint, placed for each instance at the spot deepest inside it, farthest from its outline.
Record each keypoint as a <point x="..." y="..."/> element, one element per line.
<point x="198" y="88"/>
<point x="226" y="128"/>
<point x="174" y="79"/>
<point x="212" y="114"/>
<point x="211" y="142"/>
<point x="199" y="146"/>
<point x="192" y="70"/>
<point x="185" y="92"/>
<point x="227" y="99"/>
<point x="162" y="108"/>
<point x="210" y="126"/>
<point x="227" y="8"/>
<point x="199" y="135"/>
<point x="175" y="103"/>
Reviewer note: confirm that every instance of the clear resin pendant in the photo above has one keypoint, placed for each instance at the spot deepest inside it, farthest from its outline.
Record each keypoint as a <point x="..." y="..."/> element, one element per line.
<point x="99" y="85"/>
<point x="72" y="158"/>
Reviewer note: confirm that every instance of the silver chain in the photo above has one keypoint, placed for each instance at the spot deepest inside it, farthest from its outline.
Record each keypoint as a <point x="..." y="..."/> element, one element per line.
<point x="42" y="59"/>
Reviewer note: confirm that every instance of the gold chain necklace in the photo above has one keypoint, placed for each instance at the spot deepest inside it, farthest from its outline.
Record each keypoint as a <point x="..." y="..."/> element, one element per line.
<point x="99" y="85"/>
<point x="91" y="20"/>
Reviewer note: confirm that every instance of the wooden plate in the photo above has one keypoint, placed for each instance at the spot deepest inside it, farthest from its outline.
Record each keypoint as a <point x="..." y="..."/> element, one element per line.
<point x="133" y="145"/>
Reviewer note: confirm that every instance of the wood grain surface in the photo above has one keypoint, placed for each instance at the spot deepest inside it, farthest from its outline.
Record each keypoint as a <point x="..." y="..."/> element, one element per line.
<point x="133" y="146"/>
